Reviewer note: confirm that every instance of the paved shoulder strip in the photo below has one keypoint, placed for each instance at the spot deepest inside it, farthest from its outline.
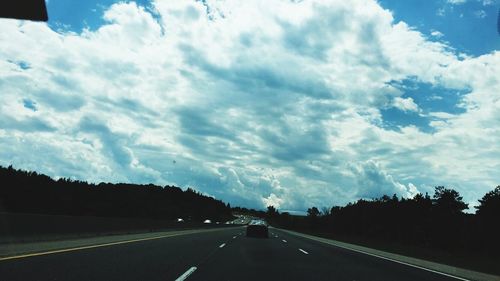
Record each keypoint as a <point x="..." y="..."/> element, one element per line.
<point x="78" y="248"/>
<point x="445" y="270"/>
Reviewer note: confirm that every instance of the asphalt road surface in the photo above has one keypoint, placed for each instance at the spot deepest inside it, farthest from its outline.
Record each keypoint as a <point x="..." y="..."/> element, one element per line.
<point x="226" y="254"/>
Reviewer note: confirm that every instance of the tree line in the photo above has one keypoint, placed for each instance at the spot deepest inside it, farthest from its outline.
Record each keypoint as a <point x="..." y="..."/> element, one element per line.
<point x="31" y="192"/>
<point x="436" y="222"/>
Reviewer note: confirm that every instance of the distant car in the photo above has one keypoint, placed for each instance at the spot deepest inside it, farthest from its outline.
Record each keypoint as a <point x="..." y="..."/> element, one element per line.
<point x="257" y="228"/>
<point x="180" y="220"/>
<point x="207" y="221"/>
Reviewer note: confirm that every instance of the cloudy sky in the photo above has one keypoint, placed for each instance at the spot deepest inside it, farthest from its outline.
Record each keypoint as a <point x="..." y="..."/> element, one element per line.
<point x="289" y="103"/>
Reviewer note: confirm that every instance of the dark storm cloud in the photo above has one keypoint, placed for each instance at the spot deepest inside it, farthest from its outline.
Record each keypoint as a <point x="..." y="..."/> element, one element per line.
<point x="200" y="122"/>
<point x="113" y="144"/>
<point x="28" y="124"/>
<point x="249" y="75"/>
<point x="60" y="102"/>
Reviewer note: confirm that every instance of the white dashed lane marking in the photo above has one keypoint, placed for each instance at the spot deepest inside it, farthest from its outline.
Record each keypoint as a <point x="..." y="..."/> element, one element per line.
<point x="303" y="251"/>
<point x="222" y="245"/>
<point x="186" y="274"/>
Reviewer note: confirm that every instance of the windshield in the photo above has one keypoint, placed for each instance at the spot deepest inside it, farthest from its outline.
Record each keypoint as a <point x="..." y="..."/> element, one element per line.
<point x="371" y="122"/>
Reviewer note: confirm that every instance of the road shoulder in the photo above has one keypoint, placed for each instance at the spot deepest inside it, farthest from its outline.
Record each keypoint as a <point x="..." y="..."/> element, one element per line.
<point x="20" y="250"/>
<point x="432" y="266"/>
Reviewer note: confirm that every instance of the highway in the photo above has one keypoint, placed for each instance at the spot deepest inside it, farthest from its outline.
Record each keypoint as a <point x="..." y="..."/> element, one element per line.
<point x="225" y="254"/>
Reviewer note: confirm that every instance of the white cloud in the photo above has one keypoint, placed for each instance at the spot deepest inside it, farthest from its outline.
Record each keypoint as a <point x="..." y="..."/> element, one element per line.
<point x="480" y="14"/>
<point x="272" y="200"/>
<point x="436" y="34"/>
<point x="442" y="115"/>
<point x="434" y="97"/>
<point x="374" y="181"/>
<point x="405" y="104"/>
<point x="456" y="2"/>
<point x="258" y="102"/>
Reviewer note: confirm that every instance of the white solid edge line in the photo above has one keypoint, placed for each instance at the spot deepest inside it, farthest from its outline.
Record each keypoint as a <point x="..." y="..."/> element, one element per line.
<point x="396" y="261"/>
<point x="405" y="263"/>
<point x="222" y="245"/>
<point x="284" y="241"/>
<point x="186" y="274"/>
<point x="303" y="251"/>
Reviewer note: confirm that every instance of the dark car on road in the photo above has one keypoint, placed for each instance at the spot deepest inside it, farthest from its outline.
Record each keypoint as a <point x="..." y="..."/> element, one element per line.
<point x="257" y="228"/>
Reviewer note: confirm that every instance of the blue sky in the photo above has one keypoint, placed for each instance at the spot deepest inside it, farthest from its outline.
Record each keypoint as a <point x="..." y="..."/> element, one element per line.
<point x="289" y="103"/>
<point x="76" y="15"/>
<point x="469" y="26"/>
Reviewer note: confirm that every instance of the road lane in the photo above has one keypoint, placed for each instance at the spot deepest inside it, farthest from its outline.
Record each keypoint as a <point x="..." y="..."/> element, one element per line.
<point x="248" y="258"/>
<point x="349" y="265"/>
<point x="213" y="256"/>
<point x="160" y="259"/>
<point x="300" y="259"/>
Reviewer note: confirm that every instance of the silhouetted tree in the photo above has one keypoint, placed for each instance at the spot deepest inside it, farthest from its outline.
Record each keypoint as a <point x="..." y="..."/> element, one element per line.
<point x="271" y="212"/>
<point x="30" y="192"/>
<point x="423" y="201"/>
<point x="489" y="206"/>
<point x="334" y="210"/>
<point x="313" y="212"/>
<point x="448" y="201"/>
<point x="325" y="211"/>
<point x="488" y="228"/>
<point x="433" y="223"/>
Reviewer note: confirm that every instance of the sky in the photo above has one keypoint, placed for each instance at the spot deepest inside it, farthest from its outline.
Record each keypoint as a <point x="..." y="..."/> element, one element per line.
<point x="267" y="102"/>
